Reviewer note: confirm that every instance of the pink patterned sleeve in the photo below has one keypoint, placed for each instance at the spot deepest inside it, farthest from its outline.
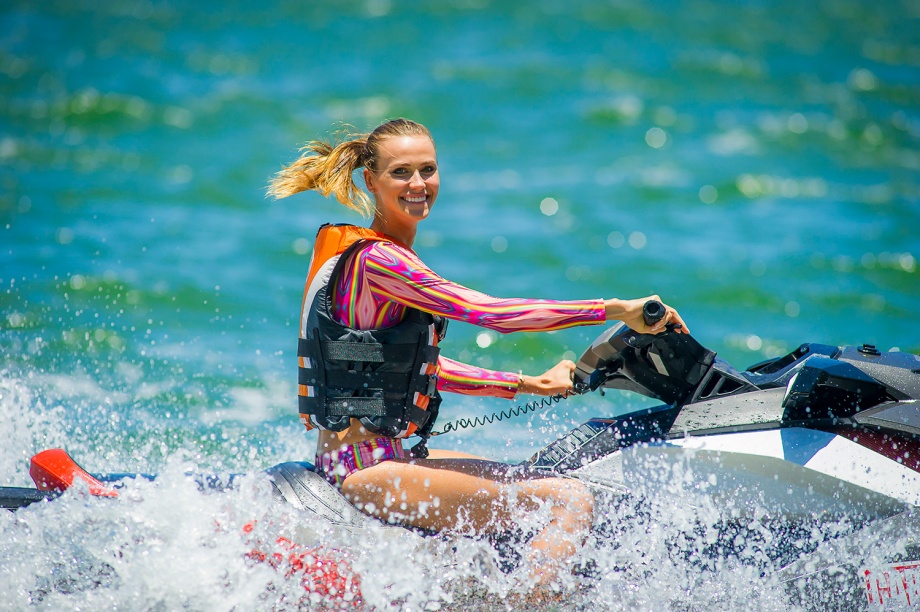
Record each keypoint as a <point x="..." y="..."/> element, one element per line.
<point x="457" y="377"/>
<point x="398" y="275"/>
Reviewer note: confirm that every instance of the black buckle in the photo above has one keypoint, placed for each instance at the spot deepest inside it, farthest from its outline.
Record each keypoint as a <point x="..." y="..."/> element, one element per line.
<point x="432" y="386"/>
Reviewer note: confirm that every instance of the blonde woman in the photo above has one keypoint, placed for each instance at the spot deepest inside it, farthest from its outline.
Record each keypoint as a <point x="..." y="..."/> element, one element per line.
<point x="370" y="369"/>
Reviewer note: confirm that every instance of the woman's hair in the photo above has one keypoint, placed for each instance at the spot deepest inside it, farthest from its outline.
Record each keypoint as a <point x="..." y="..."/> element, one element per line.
<point x="329" y="167"/>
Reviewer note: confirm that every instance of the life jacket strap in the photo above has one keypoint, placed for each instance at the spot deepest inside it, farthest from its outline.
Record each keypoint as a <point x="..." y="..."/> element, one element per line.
<point x="358" y="407"/>
<point x="369" y="352"/>
<point x="385" y="382"/>
<point x="440" y="326"/>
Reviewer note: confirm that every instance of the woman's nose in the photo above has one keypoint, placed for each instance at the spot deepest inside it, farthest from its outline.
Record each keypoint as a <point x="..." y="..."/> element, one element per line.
<point x="416" y="181"/>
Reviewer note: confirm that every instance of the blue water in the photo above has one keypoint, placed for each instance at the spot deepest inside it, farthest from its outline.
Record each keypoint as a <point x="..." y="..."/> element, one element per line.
<point x="756" y="164"/>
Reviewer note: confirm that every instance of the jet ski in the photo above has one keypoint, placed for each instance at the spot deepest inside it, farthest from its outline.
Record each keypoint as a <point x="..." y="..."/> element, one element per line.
<point x="823" y="431"/>
<point x="821" y="435"/>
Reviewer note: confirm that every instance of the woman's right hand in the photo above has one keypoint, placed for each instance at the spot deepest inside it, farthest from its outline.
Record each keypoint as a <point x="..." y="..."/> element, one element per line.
<point x="630" y="312"/>
<point x="558" y="380"/>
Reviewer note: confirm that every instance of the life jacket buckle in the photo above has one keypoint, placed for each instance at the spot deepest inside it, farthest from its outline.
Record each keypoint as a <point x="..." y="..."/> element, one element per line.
<point x="432" y="386"/>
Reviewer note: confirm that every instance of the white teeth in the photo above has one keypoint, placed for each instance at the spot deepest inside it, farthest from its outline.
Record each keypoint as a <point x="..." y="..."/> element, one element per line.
<point x="417" y="199"/>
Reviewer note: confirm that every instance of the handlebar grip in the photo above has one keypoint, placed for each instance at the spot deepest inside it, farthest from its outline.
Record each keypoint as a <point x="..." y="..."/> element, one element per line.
<point x="652" y="312"/>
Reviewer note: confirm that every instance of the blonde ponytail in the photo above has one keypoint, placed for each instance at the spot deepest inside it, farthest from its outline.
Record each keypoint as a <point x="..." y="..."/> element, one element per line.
<point x="329" y="168"/>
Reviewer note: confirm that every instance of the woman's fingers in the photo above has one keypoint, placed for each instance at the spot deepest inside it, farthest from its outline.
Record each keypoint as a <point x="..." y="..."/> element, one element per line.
<point x="562" y="375"/>
<point x="671" y="317"/>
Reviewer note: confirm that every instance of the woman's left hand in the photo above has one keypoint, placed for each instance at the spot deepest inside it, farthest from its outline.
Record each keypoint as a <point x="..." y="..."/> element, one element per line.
<point x="555" y="381"/>
<point x="630" y="312"/>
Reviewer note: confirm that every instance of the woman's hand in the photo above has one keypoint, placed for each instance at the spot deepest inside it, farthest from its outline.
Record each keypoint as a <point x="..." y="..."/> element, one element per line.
<point x="630" y="312"/>
<point x="555" y="381"/>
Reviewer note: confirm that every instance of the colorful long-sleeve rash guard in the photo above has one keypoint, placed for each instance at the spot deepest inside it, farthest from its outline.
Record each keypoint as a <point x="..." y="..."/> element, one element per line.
<point x="381" y="279"/>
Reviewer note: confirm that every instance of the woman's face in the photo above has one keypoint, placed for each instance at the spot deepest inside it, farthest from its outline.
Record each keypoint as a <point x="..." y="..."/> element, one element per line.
<point x="406" y="182"/>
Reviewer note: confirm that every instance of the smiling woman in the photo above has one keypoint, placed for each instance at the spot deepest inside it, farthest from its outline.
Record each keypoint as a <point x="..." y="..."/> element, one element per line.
<point x="370" y="369"/>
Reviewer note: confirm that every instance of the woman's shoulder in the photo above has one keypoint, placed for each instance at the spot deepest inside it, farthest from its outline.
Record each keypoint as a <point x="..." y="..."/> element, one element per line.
<point x="391" y="255"/>
<point x="387" y="248"/>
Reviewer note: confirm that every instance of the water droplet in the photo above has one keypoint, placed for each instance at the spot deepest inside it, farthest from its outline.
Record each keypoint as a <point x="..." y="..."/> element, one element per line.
<point x="797" y="123"/>
<point x="549" y="206"/>
<point x="863" y="79"/>
<point x="301" y="246"/>
<point x="656" y="137"/>
<point x="637" y="240"/>
<point x="616" y="239"/>
<point x="708" y="194"/>
<point x="64" y="235"/>
<point x="753" y="342"/>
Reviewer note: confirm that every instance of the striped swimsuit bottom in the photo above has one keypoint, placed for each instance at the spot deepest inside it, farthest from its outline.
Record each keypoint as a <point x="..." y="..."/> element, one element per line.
<point x="337" y="465"/>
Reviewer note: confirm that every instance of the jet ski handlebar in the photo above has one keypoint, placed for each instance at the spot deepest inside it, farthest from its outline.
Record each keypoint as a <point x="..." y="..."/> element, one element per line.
<point x="652" y="312"/>
<point x="666" y="366"/>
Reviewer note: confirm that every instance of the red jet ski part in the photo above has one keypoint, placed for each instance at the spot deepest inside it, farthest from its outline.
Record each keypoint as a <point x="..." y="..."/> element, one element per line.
<point x="55" y="470"/>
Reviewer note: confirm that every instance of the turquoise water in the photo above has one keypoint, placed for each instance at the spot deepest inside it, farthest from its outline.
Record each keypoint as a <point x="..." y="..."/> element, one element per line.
<point x="756" y="164"/>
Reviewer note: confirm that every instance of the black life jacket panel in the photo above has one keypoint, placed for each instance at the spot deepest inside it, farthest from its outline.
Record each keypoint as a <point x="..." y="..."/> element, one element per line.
<point x="386" y="378"/>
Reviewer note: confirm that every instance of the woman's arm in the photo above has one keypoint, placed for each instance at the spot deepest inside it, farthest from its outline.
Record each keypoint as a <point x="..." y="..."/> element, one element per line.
<point x="397" y="274"/>
<point x="456" y="377"/>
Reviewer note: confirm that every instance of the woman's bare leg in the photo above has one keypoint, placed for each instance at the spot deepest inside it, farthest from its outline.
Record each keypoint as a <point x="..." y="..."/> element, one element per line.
<point x="450" y="491"/>
<point x="434" y="453"/>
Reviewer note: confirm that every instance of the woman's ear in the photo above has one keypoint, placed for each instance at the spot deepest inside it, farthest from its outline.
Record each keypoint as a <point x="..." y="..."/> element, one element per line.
<point x="369" y="180"/>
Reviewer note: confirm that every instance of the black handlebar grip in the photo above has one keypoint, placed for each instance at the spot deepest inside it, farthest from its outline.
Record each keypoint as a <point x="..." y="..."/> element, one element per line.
<point x="652" y="312"/>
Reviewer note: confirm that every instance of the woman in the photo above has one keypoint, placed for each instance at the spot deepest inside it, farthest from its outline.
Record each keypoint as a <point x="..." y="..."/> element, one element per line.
<point x="369" y="366"/>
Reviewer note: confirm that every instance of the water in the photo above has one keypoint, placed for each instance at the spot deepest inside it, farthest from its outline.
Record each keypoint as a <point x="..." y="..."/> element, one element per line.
<point x="755" y="165"/>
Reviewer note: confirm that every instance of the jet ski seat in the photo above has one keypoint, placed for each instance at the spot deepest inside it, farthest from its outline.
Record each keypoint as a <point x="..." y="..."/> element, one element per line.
<point x="297" y="483"/>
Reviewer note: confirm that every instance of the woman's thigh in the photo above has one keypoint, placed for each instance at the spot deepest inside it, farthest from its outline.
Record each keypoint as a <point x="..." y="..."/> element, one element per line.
<point x="449" y="492"/>
<point x="448" y="454"/>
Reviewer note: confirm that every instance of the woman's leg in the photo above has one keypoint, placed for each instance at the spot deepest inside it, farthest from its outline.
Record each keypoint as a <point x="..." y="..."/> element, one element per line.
<point x="434" y="453"/>
<point x="451" y="492"/>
